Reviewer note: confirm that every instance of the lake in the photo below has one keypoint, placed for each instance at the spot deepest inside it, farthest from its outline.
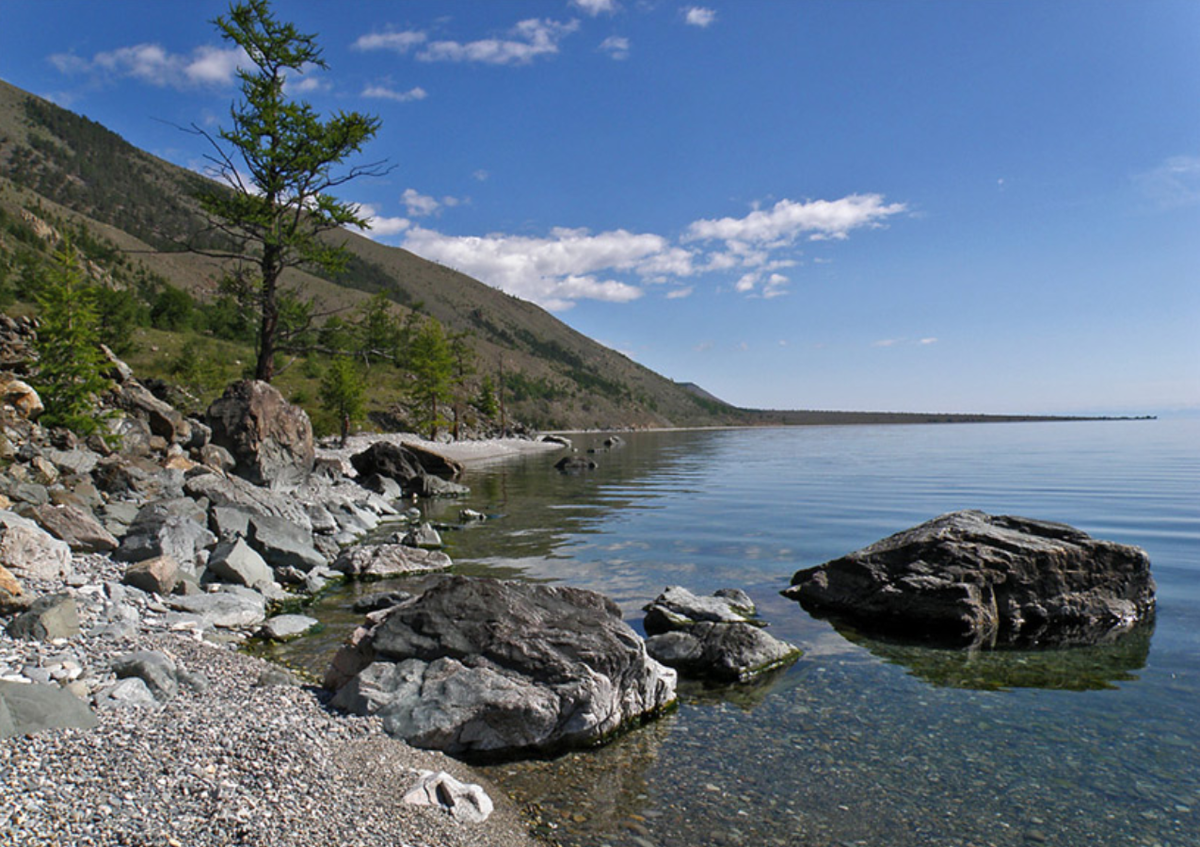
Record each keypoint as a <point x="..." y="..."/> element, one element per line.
<point x="861" y="742"/>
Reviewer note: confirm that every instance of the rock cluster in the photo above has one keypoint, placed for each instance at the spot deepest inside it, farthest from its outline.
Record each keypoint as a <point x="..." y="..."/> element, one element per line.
<point x="971" y="578"/>
<point x="484" y="667"/>
<point x="716" y="638"/>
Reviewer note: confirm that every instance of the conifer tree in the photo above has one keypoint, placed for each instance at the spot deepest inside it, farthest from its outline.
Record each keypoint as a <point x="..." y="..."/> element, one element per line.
<point x="71" y="364"/>
<point x="431" y="361"/>
<point x="281" y="162"/>
<point x="343" y="393"/>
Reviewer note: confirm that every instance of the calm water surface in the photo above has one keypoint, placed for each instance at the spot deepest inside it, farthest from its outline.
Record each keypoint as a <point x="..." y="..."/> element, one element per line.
<point x="863" y="742"/>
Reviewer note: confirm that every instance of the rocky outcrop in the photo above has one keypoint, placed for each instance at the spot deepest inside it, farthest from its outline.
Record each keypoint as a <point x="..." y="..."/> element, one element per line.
<point x="975" y="579"/>
<point x="379" y="560"/>
<point x="270" y="440"/>
<point x="715" y="638"/>
<point x="414" y="469"/>
<point x="486" y="667"/>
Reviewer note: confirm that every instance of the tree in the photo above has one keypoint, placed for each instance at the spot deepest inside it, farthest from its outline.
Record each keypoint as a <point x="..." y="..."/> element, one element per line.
<point x="280" y="161"/>
<point x="343" y="392"/>
<point x="71" y="364"/>
<point x="431" y="361"/>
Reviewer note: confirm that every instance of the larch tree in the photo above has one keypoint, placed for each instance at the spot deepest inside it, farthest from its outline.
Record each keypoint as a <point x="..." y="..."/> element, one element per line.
<point x="276" y="166"/>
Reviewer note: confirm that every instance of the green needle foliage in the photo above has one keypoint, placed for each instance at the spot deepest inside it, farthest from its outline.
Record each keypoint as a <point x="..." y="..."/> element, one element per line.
<point x="431" y="360"/>
<point x="71" y="364"/>
<point x="278" y="164"/>
<point x="343" y="392"/>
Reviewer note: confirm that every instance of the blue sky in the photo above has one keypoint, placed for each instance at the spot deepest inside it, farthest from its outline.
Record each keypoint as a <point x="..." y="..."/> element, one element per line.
<point x="835" y="204"/>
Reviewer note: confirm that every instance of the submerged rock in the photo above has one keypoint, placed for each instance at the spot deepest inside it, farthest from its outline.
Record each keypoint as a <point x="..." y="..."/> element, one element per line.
<point x="488" y="667"/>
<point x="975" y="579"/>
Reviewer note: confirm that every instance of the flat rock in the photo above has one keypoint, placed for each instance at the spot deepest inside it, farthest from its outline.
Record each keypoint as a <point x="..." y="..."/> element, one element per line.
<point x="29" y="551"/>
<point x="389" y="560"/>
<point x="487" y="667"/>
<point x="970" y="578"/>
<point x="28" y="709"/>
<point x="225" y="609"/>
<point x="283" y="627"/>
<point x="76" y="526"/>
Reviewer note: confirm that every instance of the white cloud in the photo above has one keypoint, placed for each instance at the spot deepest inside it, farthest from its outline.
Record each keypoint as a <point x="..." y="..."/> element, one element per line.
<point x="615" y="46"/>
<point x="680" y="293"/>
<point x="153" y="64"/>
<point x="775" y="286"/>
<point x="1173" y="184"/>
<point x="528" y="40"/>
<point x="418" y="204"/>
<point x="885" y="342"/>
<point x="481" y="175"/>
<point x="382" y="92"/>
<point x="788" y="219"/>
<point x="553" y="271"/>
<point x="397" y="42"/>
<point x="381" y="227"/>
<point x="699" y="16"/>
<point x="595" y="7"/>
<point x="927" y="341"/>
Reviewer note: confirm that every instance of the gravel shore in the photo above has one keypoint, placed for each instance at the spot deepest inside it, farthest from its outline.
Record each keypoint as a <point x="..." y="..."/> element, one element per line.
<point x="243" y="754"/>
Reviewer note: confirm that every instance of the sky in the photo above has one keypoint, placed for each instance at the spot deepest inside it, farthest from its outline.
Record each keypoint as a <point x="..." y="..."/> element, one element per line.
<point x="919" y="205"/>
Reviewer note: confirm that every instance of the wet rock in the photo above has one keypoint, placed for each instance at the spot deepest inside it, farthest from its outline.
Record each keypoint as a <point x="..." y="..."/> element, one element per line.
<point x="283" y="627"/>
<point x="376" y="560"/>
<point x="29" y="709"/>
<point x="483" y="666"/>
<point x="424" y="536"/>
<point x="714" y="637"/>
<point x="270" y="439"/>
<point x="970" y="578"/>
<point x="574" y="464"/>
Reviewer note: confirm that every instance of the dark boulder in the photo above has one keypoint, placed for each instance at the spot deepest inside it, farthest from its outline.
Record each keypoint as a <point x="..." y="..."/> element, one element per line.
<point x="416" y="470"/>
<point x="574" y="464"/>
<point x="487" y="667"/>
<point x="270" y="440"/>
<point x="969" y="578"/>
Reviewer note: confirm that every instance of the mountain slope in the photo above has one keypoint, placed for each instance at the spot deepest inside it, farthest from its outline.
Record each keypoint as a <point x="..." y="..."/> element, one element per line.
<point x="553" y="375"/>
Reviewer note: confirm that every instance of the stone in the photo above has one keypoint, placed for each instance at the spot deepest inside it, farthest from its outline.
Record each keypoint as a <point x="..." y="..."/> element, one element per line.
<point x="392" y="461"/>
<point x="239" y="494"/>
<point x="160" y="531"/>
<point x="151" y="667"/>
<point x="13" y="596"/>
<point x="479" y="666"/>
<point x="283" y="544"/>
<point x="162" y="418"/>
<point x="236" y="562"/>
<point x="434" y="486"/>
<point x="574" y="464"/>
<point x="423" y="536"/>
<point x="158" y="575"/>
<point x="714" y="638"/>
<point x="217" y="457"/>
<point x="226" y="609"/>
<point x="29" y="551"/>
<point x="77" y="461"/>
<point x="129" y="693"/>
<point x="384" y="486"/>
<point x="21" y="396"/>
<point x="723" y="652"/>
<point x="77" y="527"/>
<point x="972" y="579"/>
<point x="381" y="600"/>
<point x="30" y="709"/>
<point x="283" y="627"/>
<point x="48" y="617"/>
<point x="376" y="560"/>
<point x="465" y="802"/>
<point x="270" y="439"/>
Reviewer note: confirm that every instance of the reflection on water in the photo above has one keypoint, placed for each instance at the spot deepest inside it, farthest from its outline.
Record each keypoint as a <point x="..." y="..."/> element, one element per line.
<point x="861" y="742"/>
<point x="1079" y="668"/>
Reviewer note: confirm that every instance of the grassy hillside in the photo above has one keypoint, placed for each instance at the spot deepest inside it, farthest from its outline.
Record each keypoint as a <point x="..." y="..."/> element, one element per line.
<point x="60" y="171"/>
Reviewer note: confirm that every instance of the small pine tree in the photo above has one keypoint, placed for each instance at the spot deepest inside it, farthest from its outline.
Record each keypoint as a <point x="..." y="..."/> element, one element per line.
<point x="71" y="364"/>
<point x="343" y="393"/>
<point x="432" y="363"/>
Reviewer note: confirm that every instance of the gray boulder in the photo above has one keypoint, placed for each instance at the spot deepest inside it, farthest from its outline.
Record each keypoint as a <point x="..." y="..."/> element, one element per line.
<point x="28" y="709"/>
<point x="715" y="638"/>
<point x="283" y="544"/>
<point x="151" y="667"/>
<point x="237" y="493"/>
<point x="377" y="560"/>
<point x="47" y="618"/>
<point x="969" y="578"/>
<point x="230" y="607"/>
<point x="487" y="667"/>
<point x="465" y="802"/>
<point x="235" y="562"/>
<point x="160" y="530"/>
<point x="159" y="575"/>
<point x="270" y="439"/>
<point x="283" y="627"/>
<point x="29" y="551"/>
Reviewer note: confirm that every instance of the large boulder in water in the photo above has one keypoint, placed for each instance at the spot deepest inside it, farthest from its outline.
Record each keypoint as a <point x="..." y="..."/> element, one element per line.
<point x="975" y="579"/>
<point x="492" y="668"/>
<point x="270" y="440"/>
<point x="416" y="470"/>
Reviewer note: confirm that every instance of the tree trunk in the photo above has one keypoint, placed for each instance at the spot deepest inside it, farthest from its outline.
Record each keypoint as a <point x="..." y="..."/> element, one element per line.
<point x="265" y="367"/>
